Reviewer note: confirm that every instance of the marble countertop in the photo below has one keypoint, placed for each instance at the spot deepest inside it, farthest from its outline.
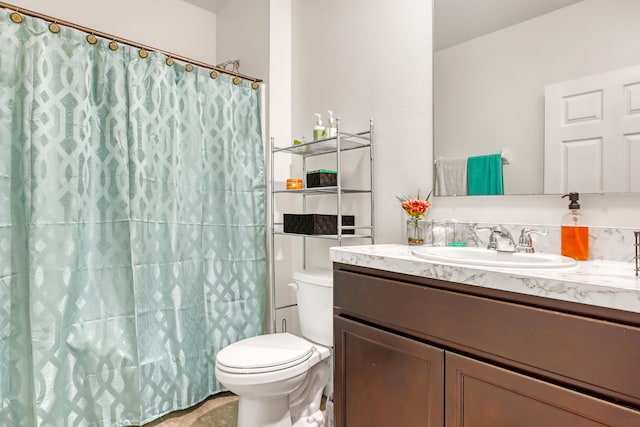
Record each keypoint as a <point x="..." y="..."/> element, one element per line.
<point x="610" y="284"/>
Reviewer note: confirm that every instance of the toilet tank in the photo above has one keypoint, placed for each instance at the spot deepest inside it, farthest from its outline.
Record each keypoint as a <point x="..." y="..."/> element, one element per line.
<point x="314" y="292"/>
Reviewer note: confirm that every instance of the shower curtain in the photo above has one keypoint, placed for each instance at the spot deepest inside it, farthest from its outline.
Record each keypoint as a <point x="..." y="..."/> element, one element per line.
<point x="132" y="228"/>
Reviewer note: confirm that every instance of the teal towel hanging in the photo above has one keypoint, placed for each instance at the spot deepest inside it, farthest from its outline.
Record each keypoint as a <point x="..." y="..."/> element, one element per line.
<point x="484" y="175"/>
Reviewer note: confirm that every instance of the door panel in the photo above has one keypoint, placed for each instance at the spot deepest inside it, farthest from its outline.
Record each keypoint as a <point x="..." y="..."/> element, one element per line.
<point x="592" y="125"/>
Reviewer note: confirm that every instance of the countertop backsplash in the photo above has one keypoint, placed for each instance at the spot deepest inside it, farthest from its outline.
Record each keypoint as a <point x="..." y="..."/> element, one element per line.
<point x="611" y="244"/>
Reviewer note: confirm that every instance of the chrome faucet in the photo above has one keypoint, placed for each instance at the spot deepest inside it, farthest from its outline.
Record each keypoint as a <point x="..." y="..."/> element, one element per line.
<point x="500" y="239"/>
<point x="525" y="244"/>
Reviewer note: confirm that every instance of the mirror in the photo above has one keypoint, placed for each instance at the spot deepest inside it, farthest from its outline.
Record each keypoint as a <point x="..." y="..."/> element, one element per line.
<point x="492" y="60"/>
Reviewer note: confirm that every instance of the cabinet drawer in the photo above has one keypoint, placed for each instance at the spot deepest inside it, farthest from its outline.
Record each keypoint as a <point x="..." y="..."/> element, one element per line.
<point x="588" y="353"/>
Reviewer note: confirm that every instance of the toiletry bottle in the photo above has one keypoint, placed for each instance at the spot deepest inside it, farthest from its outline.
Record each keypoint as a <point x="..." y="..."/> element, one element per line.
<point x="574" y="233"/>
<point x="318" y="130"/>
<point x="331" y="129"/>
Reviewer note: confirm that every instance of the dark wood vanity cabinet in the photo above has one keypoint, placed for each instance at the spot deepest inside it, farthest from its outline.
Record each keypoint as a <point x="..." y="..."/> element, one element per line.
<point x="390" y="380"/>
<point x="412" y="351"/>
<point x="480" y="394"/>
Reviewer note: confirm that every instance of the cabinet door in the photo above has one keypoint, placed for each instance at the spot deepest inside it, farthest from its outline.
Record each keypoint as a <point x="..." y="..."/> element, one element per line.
<point x="482" y="395"/>
<point x="382" y="379"/>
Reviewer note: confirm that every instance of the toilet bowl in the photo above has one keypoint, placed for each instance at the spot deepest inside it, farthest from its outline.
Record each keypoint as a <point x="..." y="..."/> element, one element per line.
<point x="279" y="378"/>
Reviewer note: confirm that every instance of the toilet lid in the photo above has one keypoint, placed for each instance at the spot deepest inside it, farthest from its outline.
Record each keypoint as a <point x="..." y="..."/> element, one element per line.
<point x="264" y="353"/>
<point x="320" y="277"/>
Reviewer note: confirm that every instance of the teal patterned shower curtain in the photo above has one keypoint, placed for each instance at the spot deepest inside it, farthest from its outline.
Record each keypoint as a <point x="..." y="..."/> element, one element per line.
<point x="132" y="228"/>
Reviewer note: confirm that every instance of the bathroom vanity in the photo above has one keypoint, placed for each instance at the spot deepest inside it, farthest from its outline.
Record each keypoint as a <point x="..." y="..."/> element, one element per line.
<point x="425" y="344"/>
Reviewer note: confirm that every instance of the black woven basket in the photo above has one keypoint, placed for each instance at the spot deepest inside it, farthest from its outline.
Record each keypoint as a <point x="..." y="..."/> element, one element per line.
<point x="322" y="179"/>
<point x="316" y="223"/>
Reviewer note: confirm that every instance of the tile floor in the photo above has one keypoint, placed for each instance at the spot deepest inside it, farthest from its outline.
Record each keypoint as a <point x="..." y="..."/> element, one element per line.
<point x="220" y="410"/>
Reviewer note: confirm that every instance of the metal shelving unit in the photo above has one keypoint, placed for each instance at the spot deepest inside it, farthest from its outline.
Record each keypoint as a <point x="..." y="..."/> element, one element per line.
<point x="336" y="146"/>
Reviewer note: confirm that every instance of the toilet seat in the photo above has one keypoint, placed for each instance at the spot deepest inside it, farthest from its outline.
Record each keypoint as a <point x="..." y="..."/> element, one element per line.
<point x="264" y="353"/>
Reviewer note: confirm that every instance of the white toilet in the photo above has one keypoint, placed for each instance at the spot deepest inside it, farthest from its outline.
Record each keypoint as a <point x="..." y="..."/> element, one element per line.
<point x="279" y="378"/>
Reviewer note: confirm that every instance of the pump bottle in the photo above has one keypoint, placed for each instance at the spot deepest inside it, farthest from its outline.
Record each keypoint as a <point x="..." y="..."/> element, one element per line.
<point x="574" y="233"/>
<point x="318" y="130"/>
<point x="331" y="129"/>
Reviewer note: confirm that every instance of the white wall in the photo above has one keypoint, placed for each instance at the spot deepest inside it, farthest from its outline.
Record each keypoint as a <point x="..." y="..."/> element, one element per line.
<point x="614" y="211"/>
<point x="369" y="59"/>
<point x="490" y="91"/>
<point x="326" y="56"/>
<point x="280" y="82"/>
<point x="286" y="255"/>
<point x="242" y="33"/>
<point x="170" y="25"/>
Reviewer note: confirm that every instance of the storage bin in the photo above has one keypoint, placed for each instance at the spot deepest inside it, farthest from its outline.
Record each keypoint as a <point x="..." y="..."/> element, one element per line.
<point x="322" y="178"/>
<point x="316" y="223"/>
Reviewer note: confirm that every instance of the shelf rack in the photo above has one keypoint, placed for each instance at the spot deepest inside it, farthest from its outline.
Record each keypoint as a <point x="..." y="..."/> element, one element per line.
<point x="342" y="142"/>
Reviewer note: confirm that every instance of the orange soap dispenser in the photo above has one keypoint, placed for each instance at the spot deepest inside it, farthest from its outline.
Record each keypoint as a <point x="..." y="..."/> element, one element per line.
<point x="574" y="233"/>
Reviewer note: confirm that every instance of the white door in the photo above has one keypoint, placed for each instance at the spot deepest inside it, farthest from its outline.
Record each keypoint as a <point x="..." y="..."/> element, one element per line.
<point x="592" y="134"/>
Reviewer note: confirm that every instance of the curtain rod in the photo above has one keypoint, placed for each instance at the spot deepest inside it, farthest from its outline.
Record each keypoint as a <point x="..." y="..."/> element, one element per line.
<point x="125" y="41"/>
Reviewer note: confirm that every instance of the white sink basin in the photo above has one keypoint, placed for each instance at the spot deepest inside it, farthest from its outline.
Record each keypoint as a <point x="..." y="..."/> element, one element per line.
<point x="473" y="256"/>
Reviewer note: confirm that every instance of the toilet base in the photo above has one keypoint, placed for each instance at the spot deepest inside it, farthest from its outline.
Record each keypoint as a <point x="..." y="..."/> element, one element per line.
<point x="298" y="408"/>
<point x="314" y="420"/>
<point x="270" y="412"/>
<point x="273" y="413"/>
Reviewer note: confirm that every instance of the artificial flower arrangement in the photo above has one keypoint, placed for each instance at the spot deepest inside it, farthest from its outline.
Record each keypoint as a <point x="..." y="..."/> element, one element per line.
<point x="416" y="208"/>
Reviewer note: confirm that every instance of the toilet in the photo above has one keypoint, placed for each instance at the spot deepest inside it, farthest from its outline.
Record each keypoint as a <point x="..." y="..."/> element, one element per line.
<point x="279" y="378"/>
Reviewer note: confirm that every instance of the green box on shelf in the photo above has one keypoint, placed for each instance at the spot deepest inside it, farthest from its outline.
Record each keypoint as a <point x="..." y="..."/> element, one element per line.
<point x="322" y="178"/>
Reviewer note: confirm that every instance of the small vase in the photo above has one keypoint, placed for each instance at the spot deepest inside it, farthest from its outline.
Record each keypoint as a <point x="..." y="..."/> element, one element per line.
<point x="416" y="231"/>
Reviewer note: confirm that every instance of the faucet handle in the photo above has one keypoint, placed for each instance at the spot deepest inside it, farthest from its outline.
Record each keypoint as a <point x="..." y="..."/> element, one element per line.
<point x="525" y="244"/>
<point x="493" y="243"/>
<point x="494" y="229"/>
<point x="500" y="238"/>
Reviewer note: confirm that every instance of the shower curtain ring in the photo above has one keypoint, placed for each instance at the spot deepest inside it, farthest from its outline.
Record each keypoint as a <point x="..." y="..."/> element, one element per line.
<point x="54" y="27"/>
<point x="16" y="17"/>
